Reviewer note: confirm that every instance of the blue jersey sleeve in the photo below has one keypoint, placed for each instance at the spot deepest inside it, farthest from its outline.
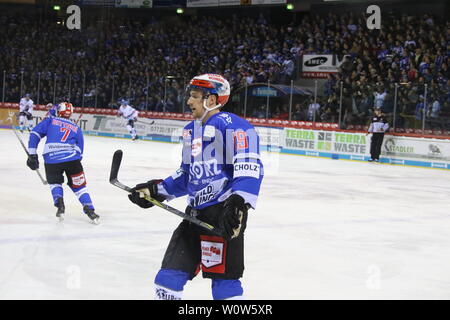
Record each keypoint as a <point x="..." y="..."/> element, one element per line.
<point x="248" y="169"/>
<point x="176" y="185"/>
<point x="80" y="141"/>
<point x="38" y="132"/>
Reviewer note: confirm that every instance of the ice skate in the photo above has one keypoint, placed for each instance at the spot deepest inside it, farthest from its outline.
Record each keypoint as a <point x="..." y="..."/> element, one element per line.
<point x="61" y="209"/>
<point x="91" y="214"/>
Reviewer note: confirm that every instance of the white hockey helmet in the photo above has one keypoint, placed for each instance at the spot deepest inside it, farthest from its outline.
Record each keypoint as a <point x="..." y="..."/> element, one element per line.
<point x="65" y="110"/>
<point x="212" y="84"/>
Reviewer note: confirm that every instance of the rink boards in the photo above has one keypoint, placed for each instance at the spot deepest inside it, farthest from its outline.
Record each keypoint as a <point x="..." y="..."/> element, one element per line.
<point x="398" y="150"/>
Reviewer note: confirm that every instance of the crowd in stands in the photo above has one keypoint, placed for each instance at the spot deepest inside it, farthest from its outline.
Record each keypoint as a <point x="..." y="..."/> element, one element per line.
<point x="409" y="52"/>
<point x="103" y="62"/>
<point x="131" y="59"/>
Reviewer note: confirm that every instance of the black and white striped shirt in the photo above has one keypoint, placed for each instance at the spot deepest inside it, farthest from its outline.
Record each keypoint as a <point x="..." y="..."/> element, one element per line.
<point x="378" y="125"/>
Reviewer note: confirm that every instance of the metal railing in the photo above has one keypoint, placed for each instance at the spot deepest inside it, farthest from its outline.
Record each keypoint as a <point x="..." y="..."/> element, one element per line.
<point x="168" y="95"/>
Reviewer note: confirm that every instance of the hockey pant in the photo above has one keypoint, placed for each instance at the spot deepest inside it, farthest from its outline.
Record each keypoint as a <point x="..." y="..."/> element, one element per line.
<point x="75" y="179"/>
<point x="375" y="145"/>
<point x="131" y="129"/>
<point x="25" y="115"/>
<point x="192" y="249"/>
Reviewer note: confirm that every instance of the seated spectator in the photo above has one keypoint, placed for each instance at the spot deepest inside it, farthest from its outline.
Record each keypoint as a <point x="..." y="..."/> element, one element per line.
<point x="260" y="112"/>
<point x="282" y="114"/>
<point x="299" y="113"/>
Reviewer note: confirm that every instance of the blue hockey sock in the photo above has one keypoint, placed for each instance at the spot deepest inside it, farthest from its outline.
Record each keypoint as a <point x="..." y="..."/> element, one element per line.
<point x="83" y="196"/>
<point x="57" y="192"/>
<point x="172" y="279"/>
<point x="169" y="284"/>
<point x="224" y="289"/>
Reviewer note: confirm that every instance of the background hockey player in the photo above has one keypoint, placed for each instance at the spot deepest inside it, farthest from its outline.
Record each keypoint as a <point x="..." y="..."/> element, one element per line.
<point x="25" y="108"/>
<point x="52" y="109"/>
<point x="130" y="115"/>
<point x="378" y="127"/>
<point x="63" y="152"/>
<point x="221" y="174"/>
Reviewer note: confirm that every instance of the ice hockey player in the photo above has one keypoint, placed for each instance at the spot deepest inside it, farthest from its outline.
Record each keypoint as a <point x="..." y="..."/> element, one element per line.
<point x="52" y="109"/>
<point x="221" y="173"/>
<point x="378" y="127"/>
<point x="63" y="152"/>
<point x="25" y="108"/>
<point x="130" y="115"/>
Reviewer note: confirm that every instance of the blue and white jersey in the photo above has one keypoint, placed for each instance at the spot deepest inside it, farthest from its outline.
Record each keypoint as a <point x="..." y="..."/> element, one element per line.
<point x="65" y="141"/>
<point x="220" y="158"/>
<point x="53" y="111"/>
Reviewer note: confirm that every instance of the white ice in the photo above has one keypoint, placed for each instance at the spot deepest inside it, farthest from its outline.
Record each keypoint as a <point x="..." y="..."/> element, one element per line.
<point x="323" y="229"/>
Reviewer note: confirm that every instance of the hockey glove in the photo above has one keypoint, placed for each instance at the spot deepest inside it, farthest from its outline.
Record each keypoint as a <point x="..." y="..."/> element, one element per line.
<point x="234" y="219"/>
<point x="33" y="162"/>
<point x="149" y="188"/>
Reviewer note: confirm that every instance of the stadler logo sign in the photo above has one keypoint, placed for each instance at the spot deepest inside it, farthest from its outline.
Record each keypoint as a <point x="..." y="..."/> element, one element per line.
<point x="317" y="61"/>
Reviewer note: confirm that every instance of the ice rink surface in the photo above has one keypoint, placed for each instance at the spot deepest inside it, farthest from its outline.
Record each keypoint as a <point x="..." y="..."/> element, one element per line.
<point x="323" y="229"/>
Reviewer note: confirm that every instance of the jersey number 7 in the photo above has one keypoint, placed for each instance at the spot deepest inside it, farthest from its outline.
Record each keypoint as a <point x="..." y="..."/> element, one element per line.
<point x="66" y="134"/>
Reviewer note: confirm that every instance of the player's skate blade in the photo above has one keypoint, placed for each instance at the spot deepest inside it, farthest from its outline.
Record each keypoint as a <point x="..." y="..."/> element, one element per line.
<point x="91" y="214"/>
<point x="61" y="209"/>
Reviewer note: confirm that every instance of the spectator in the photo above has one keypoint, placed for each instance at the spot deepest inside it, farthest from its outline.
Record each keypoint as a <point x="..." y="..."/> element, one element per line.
<point x="313" y="111"/>
<point x="131" y="59"/>
<point x="379" y="96"/>
<point x="260" y="112"/>
<point x="298" y="114"/>
<point x="420" y="106"/>
<point x="435" y="108"/>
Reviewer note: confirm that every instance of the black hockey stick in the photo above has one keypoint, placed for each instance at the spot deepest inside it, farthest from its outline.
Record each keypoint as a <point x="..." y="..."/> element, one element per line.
<point x="28" y="154"/>
<point x="147" y="123"/>
<point x="115" y="165"/>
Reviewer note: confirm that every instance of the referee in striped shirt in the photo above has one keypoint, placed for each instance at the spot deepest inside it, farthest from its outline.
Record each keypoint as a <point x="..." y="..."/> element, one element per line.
<point x="378" y="127"/>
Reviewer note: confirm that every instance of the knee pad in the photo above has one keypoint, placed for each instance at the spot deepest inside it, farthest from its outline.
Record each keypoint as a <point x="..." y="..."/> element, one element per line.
<point x="170" y="283"/>
<point x="226" y="289"/>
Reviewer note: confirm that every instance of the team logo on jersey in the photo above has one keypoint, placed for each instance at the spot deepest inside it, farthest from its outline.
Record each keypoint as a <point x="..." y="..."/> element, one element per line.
<point x="187" y="133"/>
<point x="204" y="169"/>
<point x="213" y="254"/>
<point x="226" y="117"/>
<point x="196" y="147"/>
<point x="208" y="193"/>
